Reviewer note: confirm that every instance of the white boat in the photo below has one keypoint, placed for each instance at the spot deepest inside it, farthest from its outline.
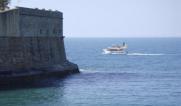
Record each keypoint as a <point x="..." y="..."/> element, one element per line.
<point x="116" y="49"/>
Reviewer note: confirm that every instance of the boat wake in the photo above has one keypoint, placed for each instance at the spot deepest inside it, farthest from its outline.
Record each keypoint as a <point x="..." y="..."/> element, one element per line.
<point x="137" y="54"/>
<point x="145" y="54"/>
<point x="114" y="53"/>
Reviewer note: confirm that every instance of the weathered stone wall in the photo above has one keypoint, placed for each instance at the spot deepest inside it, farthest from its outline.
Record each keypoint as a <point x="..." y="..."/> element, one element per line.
<point x="40" y="23"/>
<point x="30" y="52"/>
<point x="31" y="22"/>
<point x="1" y="25"/>
<point x="31" y="39"/>
<point x="9" y="23"/>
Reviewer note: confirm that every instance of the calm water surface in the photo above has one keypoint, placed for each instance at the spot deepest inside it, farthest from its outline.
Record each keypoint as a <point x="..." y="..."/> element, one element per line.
<point x="150" y="75"/>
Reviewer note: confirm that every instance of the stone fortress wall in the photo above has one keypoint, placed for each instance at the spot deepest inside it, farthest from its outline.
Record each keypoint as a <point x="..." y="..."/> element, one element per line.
<point x="31" y="39"/>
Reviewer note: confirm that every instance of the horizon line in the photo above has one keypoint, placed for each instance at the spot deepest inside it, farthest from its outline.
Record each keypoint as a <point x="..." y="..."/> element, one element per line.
<point x="119" y="37"/>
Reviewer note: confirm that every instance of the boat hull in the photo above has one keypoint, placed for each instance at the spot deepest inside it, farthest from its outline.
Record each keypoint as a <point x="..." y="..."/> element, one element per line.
<point x="105" y="51"/>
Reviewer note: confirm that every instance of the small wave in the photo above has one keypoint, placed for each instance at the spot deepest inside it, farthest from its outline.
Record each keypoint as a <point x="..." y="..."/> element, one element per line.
<point x="83" y="70"/>
<point x="145" y="54"/>
<point x="114" y="53"/>
<point x="103" y="72"/>
<point x="87" y="70"/>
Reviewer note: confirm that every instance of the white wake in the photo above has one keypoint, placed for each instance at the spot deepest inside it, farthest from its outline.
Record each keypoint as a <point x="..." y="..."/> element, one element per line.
<point x="145" y="54"/>
<point x="136" y="54"/>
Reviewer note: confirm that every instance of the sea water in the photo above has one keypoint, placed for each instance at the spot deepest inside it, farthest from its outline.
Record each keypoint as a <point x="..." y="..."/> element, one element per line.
<point x="149" y="75"/>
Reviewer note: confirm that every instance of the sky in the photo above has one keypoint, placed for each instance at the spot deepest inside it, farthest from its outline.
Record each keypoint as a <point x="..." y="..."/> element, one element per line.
<point x="114" y="18"/>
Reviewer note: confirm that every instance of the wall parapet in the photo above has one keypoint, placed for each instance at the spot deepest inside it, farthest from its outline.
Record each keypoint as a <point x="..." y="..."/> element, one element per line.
<point x="39" y="12"/>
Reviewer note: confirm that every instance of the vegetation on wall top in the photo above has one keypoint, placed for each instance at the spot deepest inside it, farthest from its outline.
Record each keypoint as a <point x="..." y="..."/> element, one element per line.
<point x="4" y="4"/>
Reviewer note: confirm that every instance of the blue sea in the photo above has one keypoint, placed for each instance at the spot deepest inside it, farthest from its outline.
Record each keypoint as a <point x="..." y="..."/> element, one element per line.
<point x="149" y="75"/>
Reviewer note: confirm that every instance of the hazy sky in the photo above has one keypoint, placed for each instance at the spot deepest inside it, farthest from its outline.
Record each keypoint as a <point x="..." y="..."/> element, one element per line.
<point x="115" y="18"/>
